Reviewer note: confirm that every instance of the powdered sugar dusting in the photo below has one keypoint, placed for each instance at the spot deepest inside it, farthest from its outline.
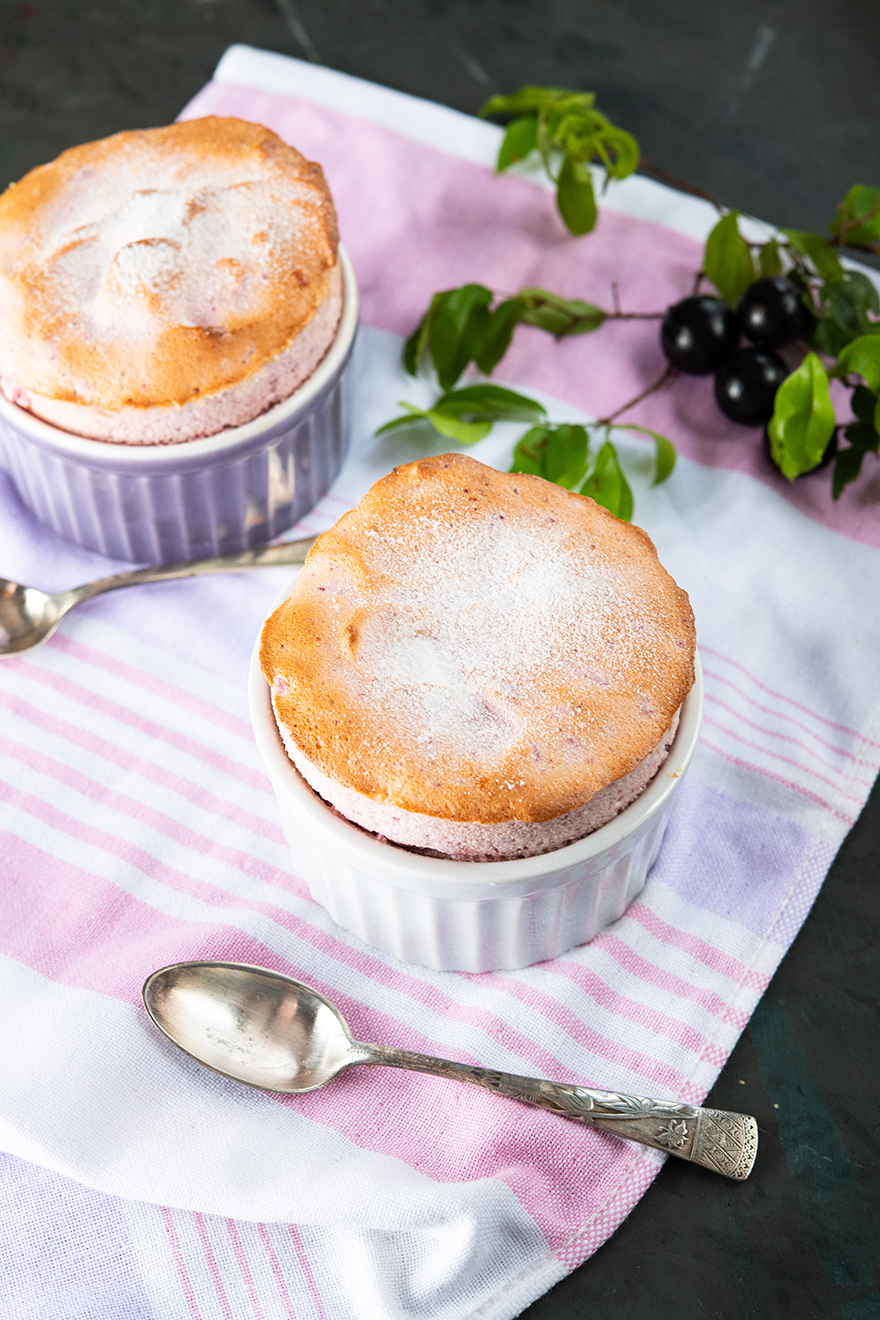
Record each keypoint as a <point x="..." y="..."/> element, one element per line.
<point x="191" y="251"/>
<point x="473" y="622"/>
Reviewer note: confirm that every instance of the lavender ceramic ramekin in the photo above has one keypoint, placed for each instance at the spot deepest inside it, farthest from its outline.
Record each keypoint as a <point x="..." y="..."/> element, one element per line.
<point x="470" y="916"/>
<point x="158" y="503"/>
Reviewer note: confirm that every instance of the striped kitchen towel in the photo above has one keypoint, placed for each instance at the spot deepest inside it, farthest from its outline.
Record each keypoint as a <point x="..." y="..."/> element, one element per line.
<point x="137" y="826"/>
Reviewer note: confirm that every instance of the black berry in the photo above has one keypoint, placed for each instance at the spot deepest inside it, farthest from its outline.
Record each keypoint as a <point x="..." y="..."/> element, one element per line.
<point x="830" y="451"/>
<point x="698" y="333"/>
<point x="746" y="385"/>
<point x="771" y="313"/>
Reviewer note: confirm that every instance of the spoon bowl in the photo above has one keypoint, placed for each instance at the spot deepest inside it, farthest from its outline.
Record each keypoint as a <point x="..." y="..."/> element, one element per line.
<point x="28" y="616"/>
<point x="267" y="1030"/>
<point x="250" y="1024"/>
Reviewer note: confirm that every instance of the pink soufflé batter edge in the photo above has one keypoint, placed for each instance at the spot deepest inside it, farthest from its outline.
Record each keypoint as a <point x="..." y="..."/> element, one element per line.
<point x="475" y="841"/>
<point x="177" y="423"/>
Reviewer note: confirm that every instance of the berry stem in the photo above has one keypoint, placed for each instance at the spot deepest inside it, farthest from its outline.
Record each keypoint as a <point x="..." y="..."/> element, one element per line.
<point x="614" y="315"/>
<point x="634" y="316"/>
<point x="668" y="372"/>
<point x="663" y="176"/>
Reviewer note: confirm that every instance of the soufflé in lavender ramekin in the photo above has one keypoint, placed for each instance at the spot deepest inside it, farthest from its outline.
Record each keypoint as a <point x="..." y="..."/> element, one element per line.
<point x="176" y="323"/>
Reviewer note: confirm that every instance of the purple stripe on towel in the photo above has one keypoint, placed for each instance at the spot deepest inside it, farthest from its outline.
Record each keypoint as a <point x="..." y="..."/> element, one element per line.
<point x="740" y="861"/>
<point x="65" y="1252"/>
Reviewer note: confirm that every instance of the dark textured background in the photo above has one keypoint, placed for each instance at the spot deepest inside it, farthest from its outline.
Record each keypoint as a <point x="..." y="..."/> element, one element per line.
<point x="772" y="106"/>
<point x="769" y="104"/>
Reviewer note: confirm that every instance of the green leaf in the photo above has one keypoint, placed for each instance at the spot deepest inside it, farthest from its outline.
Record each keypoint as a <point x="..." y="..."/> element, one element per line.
<point x="860" y="294"/>
<point x="550" y="317"/>
<point x="496" y="340"/>
<point x="575" y="197"/>
<point x="455" y="427"/>
<point x="458" y="324"/>
<point x="863" y="203"/>
<point x="560" y="316"/>
<point x="493" y="400"/>
<point x="528" y="455"/>
<point x="727" y="260"/>
<point x="561" y="123"/>
<point x="665" y="458"/>
<point x="769" y="260"/>
<point x="566" y="454"/>
<point x="827" y="338"/>
<point x="576" y="132"/>
<point x="857" y="223"/>
<point x="863" y="436"/>
<point x="557" y="453"/>
<point x="584" y="135"/>
<point x="607" y="485"/>
<point x="415" y="346"/>
<point x="623" y="149"/>
<point x="863" y="439"/>
<point x="817" y="250"/>
<point x="520" y="140"/>
<point x="412" y="417"/>
<point x="861" y="357"/>
<point x="664" y="451"/>
<point x="467" y="414"/>
<point x="535" y="100"/>
<point x="863" y="404"/>
<point x="459" y="327"/>
<point x="803" y="419"/>
<point x="843" y="313"/>
<point x="847" y="466"/>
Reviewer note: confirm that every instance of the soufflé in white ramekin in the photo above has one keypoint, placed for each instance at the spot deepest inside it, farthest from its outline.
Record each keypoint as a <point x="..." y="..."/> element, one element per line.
<point x="480" y="670"/>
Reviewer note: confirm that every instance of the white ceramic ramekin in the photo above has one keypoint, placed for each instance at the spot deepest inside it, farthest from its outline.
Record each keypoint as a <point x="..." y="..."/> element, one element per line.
<point x="470" y="916"/>
<point x="159" y="503"/>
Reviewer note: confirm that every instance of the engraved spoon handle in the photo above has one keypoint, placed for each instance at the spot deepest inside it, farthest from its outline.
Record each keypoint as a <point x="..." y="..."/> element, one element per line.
<point x="726" y="1143"/>
<point x="264" y="556"/>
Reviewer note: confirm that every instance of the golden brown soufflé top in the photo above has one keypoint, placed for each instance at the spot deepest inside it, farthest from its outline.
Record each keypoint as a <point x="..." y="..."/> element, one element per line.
<point x="216" y="237"/>
<point x="479" y="646"/>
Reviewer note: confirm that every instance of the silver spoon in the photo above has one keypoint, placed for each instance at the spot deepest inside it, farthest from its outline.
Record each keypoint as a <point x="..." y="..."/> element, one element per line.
<point x="29" y="616"/>
<point x="265" y="1029"/>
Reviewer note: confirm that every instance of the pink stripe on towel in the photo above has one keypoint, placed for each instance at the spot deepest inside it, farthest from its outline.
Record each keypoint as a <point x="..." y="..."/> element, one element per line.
<point x="447" y="221"/>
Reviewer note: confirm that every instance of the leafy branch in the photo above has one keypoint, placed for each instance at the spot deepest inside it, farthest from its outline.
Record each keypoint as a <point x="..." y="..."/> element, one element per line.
<point x="841" y="327"/>
<point x="472" y="324"/>
<point x="568" y="133"/>
<point x="562" y="454"/>
<point x="467" y="415"/>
